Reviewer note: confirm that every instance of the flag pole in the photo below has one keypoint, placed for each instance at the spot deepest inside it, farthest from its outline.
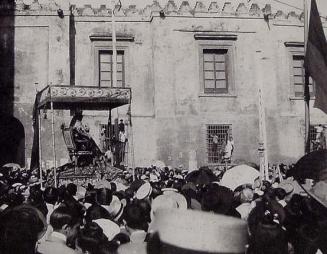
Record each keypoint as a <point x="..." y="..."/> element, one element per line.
<point x="40" y="147"/>
<point x="53" y="144"/>
<point x="114" y="51"/>
<point x="306" y="96"/>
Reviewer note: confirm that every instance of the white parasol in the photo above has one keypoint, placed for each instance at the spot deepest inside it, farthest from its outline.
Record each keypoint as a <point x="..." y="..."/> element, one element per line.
<point x="239" y="175"/>
<point x="159" y="164"/>
<point x="12" y="165"/>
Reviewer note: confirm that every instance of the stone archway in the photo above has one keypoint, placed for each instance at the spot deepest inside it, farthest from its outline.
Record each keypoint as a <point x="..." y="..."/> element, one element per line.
<point x="12" y="141"/>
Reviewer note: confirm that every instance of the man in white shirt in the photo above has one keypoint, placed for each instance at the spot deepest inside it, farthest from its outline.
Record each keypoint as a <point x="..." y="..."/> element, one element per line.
<point x="229" y="148"/>
<point x="122" y="143"/>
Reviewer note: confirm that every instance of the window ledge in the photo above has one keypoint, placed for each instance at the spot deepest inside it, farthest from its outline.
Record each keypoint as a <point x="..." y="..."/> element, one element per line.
<point x="293" y="98"/>
<point x="228" y="95"/>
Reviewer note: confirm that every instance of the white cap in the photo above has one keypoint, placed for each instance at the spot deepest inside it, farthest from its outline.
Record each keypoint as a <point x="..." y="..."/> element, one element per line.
<point x="110" y="229"/>
<point x="144" y="191"/>
<point x="115" y="208"/>
<point x="201" y="231"/>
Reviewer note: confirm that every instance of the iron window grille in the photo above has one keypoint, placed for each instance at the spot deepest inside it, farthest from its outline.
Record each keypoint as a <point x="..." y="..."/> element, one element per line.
<point x="215" y="152"/>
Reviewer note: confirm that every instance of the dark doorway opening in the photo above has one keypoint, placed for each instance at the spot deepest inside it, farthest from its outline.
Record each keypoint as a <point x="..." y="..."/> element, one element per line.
<point x="12" y="141"/>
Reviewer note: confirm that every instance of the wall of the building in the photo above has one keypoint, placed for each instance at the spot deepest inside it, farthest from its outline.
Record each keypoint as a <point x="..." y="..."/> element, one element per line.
<point x="40" y="57"/>
<point x="168" y="55"/>
<point x="169" y="110"/>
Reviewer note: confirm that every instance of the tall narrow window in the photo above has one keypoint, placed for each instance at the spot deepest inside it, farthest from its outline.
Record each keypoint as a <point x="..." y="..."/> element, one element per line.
<point x="214" y="70"/>
<point x="299" y="78"/>
<point x="297" y="74"/>
<point x="106" y="68"/>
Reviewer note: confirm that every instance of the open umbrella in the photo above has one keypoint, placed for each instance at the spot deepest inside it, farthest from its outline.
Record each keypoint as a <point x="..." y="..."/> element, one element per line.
<point x="309" y="166"/>
<point x="159" y="164"/>
<point x="239" y="175"/>
<point x="14" y="166"/>
<point x="202" y="176"/>
<point x="313" y="166"/>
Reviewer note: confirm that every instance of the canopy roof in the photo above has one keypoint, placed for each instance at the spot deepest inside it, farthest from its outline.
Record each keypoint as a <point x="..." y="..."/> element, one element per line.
<point x="84" y="98"/>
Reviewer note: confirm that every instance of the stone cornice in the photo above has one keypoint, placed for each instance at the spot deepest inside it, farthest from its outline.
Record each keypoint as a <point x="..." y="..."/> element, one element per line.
<point x="108" y="36"/>
<point x="244" y="9"/>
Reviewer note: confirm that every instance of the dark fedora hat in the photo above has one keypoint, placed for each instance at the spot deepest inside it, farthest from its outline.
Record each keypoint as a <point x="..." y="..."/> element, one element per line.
<point x="314" y="168"/>
<point x="311" y="166"/>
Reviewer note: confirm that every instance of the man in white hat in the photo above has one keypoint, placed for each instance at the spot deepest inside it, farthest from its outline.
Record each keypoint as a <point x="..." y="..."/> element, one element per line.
<point x="189" y="232"/>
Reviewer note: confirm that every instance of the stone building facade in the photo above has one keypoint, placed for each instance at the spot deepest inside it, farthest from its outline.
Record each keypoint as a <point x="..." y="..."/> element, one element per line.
<point x="194" y="71"/>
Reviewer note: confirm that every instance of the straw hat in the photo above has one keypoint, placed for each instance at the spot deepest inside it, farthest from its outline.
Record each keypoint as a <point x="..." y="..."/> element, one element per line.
<point x="110" y="229"/>
<point x="200" y="231"/>
<point x="162" y="201"/>
<point x="144" y="191"/>
<point x="178" y="198"/>
<point x="189" y="232"/>
<point x="116" y="208"/>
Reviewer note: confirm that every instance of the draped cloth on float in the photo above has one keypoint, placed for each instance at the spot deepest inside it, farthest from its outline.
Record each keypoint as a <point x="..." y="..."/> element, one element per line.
<point x="35" y="163"/>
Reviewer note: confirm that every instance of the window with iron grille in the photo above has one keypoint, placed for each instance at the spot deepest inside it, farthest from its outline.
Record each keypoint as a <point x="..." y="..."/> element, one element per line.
<point x="313" y="135"/>
<point x="106" y="68"/>
<point x="214" y="70"/>
<point x="299" y="77"/>
<point x="104" y="136"/>
<point x="216" y="138"/>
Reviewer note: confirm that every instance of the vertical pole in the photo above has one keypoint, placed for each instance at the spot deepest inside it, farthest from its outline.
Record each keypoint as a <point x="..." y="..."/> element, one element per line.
<point x="40" y="148"/>
<point x="109" y="134"/>
<point x="53" y="144"/>
<point x="262" y="124"/>
<point x="114" y="51"/>
<point x="262" y="162"/>
<point x="306" y="96"/>
<point x="265" y="138"/>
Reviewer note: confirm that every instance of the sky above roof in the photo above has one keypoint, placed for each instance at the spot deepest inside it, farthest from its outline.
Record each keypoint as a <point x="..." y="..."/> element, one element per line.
<point x="284" y="5"/>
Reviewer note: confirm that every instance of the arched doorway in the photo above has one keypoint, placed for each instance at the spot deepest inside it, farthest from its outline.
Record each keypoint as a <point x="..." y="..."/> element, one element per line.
<point x="12" y="141"/>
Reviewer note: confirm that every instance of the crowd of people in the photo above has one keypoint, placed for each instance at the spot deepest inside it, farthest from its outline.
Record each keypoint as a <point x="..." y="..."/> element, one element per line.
<point x="161" y="210"/>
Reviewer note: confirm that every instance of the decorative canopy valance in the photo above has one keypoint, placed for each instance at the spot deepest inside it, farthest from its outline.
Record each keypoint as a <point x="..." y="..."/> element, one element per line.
<point x="84" y="98"/>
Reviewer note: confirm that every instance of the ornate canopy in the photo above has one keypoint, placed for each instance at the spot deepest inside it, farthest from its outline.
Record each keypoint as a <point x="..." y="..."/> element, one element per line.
<point x="84" y="98"/>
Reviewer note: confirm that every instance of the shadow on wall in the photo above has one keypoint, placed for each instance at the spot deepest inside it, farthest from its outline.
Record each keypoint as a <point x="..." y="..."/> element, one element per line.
<point x="12" y="141"/>
<point x="12" y="134"/>
<point x="7" y="57"/>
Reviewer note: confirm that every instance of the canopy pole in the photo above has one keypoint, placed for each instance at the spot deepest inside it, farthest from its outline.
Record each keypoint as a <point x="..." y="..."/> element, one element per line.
<point x="109" y="134"/>
<point x="53" y="145"/>
<point x="40" y="148"/>
<point x="306" y="95"/>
